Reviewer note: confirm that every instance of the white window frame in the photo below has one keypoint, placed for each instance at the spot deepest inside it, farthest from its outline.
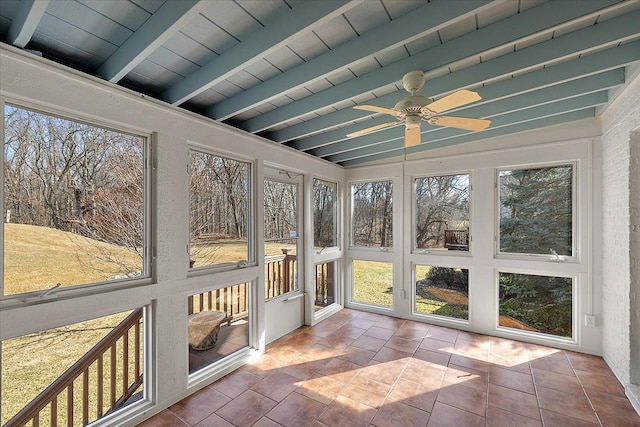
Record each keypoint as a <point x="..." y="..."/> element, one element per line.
<point x="575" y="298"/>
<point x="436" y="317"/>
<point x="149" y="178"/>
<point x="352" y="244"/>
<point x="251" y="215"/>
<point x="414" y="212"/>
<point x="329" y="252"/>
<point x="574" y="257"/>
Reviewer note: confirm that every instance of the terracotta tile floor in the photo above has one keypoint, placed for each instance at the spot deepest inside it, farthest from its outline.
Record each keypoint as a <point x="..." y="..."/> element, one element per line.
<point x="363" y="369"/>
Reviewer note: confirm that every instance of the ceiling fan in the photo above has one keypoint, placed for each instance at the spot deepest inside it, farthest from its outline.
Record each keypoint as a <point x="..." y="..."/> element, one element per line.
<point x="412" y="109"/>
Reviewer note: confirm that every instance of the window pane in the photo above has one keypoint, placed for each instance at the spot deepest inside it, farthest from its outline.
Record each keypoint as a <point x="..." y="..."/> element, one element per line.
<point x="280" y="237"/>
<point x="219" y="210"/>
<point x="536" y="303"/>
<point x="31" y="363"/>
<point x="536" y="210"/>
<point x="442" y="291"/>
<point x="442" y="212"/>
<point x="373" y="283"/>
<point x="325" y="284"/>
<point x="218" y="324"/>
<point x="73" y="200"/>
<point x="324" y="213"/>
<point x="372" y="220"/>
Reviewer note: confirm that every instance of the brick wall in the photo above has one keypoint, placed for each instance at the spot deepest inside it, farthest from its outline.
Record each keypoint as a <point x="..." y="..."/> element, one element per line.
<point x="618" y="122"/>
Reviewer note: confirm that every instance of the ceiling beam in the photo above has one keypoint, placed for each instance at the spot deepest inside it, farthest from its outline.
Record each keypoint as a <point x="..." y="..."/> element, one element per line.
<point x="508" y="119"/>
<point x="159" y="28"/>
<point x="417" y="23"/>
<point x="24" y="24"/>
<point x="566" y="71"/>
<point x="500" y="34"/>
<point x="503" y="101"/>
<point x="520" y="127"/>
<point x="303" y="17"/>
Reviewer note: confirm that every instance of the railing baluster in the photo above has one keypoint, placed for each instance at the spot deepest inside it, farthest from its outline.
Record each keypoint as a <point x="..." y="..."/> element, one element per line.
<point x="36" y="420"/>
<point x="85" y="397"/>
<point x="113" y="376"/>
<point x="137" y="350"/>
<point x="190" y="304"/>
<point x="70" y="404"/>
<point x="54" y="412"/>
<point x="210" y="300"/>
<point x="225" y="298"/>
<point x="100" y="386"/>
<point x="125" y="362"/>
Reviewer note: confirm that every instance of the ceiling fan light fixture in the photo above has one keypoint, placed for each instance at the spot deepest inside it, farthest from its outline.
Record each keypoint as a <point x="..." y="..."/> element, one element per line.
<point x="413" y="121"/>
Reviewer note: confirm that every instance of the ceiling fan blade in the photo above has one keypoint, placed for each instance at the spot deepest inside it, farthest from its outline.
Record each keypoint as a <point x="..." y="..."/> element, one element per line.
<point x="411" y="136"/>
<point x="456" y="99"/>
<point x="460" y="122"/>
<point x="377" y="109"/>
<point x="371" y="129"/>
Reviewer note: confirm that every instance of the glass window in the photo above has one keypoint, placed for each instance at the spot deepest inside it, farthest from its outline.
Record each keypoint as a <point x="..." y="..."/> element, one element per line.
<point x="373" y="283"/>
<point x="74" y="203"/>
<point x="536" y="210"/>
<point x="325" y="209"/>
<point x="325" y="274"/>
<point x="441" y="219"/>
<point x="372" y="214"/>
<point x="280" y="237"/>
<point x="536" y="303"/>
<point x="218" y="324"/>
<point x="219" y="207"/>
<point x="442" y="291"/>
<point x="109" y="378"/>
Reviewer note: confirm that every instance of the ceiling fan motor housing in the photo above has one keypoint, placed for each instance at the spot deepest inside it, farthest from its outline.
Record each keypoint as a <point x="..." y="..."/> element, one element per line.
<point x="412" y="104"/>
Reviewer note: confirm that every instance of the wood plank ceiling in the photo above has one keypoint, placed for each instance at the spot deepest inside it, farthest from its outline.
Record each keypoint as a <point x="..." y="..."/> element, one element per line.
<point x="291" y="71"/>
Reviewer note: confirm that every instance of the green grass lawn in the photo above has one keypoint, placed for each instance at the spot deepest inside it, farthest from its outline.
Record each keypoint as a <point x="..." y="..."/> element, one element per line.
<point x="373" y="283"/>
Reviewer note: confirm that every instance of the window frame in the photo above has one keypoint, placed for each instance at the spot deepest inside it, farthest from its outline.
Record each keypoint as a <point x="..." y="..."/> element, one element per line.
<point x="149" y="167"/>
<point x="414" y="211"/>
<point x="251" y="214"/>
<point x="328" y="252"/>
<point x="575" y="229"/>
<point x="455" y="321"/>
<point x="352" y="245"/>
<point x="533" y="336"/>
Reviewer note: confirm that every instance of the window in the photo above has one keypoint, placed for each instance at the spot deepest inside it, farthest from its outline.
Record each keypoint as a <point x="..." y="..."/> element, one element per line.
<point x="372" y="214"/>
<point x="373" y="283"/>
<point x="441" y="218"/>
<point x="536" y="210"/>
<point x="325" y="295"/>
<point x="325" y="210"/>
<point x="280" y="237"/>
<point x="536" y="303"/>
<point x="111" y="378"/>
<point x="442" y="291"/>
<point x="218" y="324"/>
<point x="219" y="200"/>
<point x="74" y="203"/>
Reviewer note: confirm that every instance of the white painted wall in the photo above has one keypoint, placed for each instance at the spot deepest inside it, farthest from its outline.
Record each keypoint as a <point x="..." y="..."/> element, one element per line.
<point x="621" y="225"/>
<point x="32" y="82"/>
